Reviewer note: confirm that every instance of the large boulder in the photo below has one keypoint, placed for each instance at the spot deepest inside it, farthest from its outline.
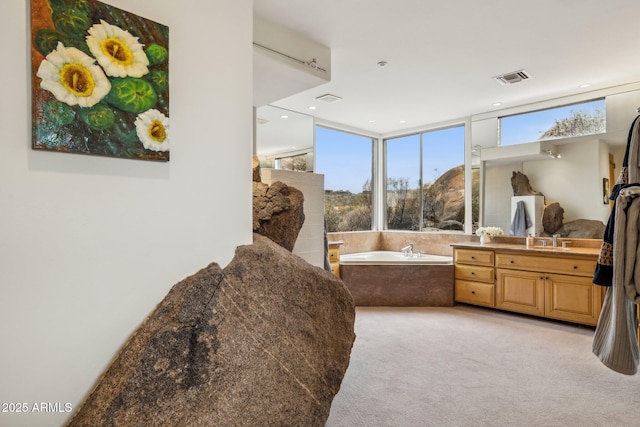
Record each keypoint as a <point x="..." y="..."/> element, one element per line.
<point x="278" y="212"/>
<point x="521" y="186"/>
<point x="582" y="229"/>
<point x="445" y="197"/>
<point x="266" y="341"/>
<point x="552" y="217"/>
<point x="282" y="216"/>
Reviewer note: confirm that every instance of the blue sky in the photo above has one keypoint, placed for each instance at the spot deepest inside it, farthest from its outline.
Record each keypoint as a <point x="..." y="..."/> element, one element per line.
<point x="345" y="159"/>
<point x="529" y="127"/>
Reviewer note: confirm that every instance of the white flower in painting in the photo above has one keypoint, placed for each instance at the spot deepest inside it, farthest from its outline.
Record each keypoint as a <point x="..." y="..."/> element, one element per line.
<point x="73" y="77"/>
<point x="152" y="128"/>
<point x="117" y="51"/>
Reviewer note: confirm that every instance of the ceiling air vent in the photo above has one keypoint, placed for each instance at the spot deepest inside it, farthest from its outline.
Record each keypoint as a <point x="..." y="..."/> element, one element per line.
<point x="514" y="77"/>
<point x="328" y="98"/>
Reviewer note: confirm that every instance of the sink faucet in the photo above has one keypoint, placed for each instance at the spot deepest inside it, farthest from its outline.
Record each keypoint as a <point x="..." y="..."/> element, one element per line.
<point x="408" y="250"/>
<point x="554" y="240"/>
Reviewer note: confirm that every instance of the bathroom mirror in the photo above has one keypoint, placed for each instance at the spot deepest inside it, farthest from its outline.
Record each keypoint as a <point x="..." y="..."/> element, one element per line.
<point x="284" y="139"/>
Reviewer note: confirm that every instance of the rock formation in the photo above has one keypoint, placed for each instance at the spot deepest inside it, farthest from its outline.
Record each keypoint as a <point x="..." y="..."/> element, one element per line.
<point x="552" y="217"/>
<point x="445" y="200"/>
<point x="521" y="186"/>
<point x="278" y="211"/>
<point x="582" y="229"/>
<point x="255" y="167"/>
<point x="266" y="341"/>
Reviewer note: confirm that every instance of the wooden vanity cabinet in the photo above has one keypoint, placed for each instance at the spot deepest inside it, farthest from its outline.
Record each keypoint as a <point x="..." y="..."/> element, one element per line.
<point x="334" y="257"/>
<point x="553" y="285"/>
<point x="558" y="287"/>
<point x="474" y="276"/>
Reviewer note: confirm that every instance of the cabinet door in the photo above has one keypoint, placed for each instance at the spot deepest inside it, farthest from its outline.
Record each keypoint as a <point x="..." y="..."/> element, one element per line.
<point x="521" y="291"/>
<point x="572" y="298"/>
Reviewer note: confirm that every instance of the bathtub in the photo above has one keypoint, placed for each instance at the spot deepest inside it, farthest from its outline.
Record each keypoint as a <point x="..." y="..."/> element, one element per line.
<point x="390" y="257"/>
<point x="387" y="278"/>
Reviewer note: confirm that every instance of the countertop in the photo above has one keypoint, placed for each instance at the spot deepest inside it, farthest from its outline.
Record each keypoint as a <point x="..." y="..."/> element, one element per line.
<point x="537" y="249"/>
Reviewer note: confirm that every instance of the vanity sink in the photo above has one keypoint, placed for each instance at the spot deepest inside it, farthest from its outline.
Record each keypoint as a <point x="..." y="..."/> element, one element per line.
<point x="549" y="248"/>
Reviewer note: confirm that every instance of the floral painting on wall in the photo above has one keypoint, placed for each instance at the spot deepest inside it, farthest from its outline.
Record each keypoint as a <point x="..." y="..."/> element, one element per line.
<point x="100" y="80"/>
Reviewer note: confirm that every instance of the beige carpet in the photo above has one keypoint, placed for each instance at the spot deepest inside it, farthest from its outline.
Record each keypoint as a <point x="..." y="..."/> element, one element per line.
<point x="469" y="366"/>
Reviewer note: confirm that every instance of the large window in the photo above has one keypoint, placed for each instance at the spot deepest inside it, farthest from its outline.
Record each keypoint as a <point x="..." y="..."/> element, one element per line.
<point x="403" y="183"/>
<point x="586" y="118"/>
<point x="346" y="160"/>
<point x="425" y="181"/>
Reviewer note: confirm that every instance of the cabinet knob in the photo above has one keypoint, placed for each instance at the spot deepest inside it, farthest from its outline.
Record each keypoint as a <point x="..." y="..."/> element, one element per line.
<point x="473" y="257"/>
<point x="511" y="262"/>
<point x="473" y="292"/>
<point x="473" y="273"/>
<point x="541" y="278"/>
<point x="575" y="267"/>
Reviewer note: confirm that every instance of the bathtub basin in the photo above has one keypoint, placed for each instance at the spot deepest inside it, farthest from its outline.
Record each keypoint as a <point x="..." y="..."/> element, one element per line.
<point x="391" y="257"/>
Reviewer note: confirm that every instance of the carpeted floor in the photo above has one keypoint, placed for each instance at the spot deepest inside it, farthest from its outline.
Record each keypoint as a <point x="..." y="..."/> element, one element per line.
<point x="469" y="366"/>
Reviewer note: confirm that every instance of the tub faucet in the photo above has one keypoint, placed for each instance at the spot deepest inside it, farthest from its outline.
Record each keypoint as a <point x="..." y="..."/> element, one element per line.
<point x="554" y="240"/>
<point x="408" y="250"/>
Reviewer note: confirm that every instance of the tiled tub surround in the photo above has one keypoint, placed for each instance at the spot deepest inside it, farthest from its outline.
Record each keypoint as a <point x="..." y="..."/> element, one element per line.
<point x="433" y="242"/>
<point x="413" y="285"/>
<point x="394" y="284"/>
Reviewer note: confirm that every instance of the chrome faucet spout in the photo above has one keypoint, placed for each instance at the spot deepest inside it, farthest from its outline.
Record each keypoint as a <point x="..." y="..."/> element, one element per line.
<point x="408" y="250"/>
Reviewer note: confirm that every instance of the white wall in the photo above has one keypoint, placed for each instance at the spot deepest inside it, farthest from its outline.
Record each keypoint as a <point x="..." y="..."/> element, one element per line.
<point x="497" y="195"/>
<point x="89" y="245"/>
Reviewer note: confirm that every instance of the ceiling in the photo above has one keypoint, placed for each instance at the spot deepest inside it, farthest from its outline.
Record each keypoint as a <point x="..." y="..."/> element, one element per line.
<point x="442" y="55"/>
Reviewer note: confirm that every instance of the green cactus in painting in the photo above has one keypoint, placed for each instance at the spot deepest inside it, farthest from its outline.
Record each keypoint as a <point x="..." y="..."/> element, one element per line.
<point x="159" y="79"/>
<point x="133" y="95"/>
<point x="156" y="54"/>
<point x="79" y="5"/>
<point x="98" y="117"/>
<point x="71" y="22"/>
<point x="58" y="113"/>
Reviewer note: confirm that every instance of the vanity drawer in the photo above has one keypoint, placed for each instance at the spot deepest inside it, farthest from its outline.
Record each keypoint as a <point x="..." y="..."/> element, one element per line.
<point x="475" y="293"/>
<point x="550" y="264"/>
<point x="473" y="272"/>
<point x="334" y="254"/>
<point x="473" y="256"/>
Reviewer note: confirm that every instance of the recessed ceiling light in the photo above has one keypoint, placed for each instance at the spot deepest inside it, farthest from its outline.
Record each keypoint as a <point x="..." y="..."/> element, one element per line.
<point x="284" y="116"/>
<point x="312" y="107"/>
<point x="584" y="85"/>
<point x="372" y="121"/>
<point x="497" y="104"/>
<point x="403" y="121"/>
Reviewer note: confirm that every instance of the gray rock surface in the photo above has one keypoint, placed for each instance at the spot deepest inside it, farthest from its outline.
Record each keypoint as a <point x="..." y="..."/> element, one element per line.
<point x="264" y="342"/>
<point x="278" y="212"/>
<point x="284" y="227"/>
<point x="582" y="229"/>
